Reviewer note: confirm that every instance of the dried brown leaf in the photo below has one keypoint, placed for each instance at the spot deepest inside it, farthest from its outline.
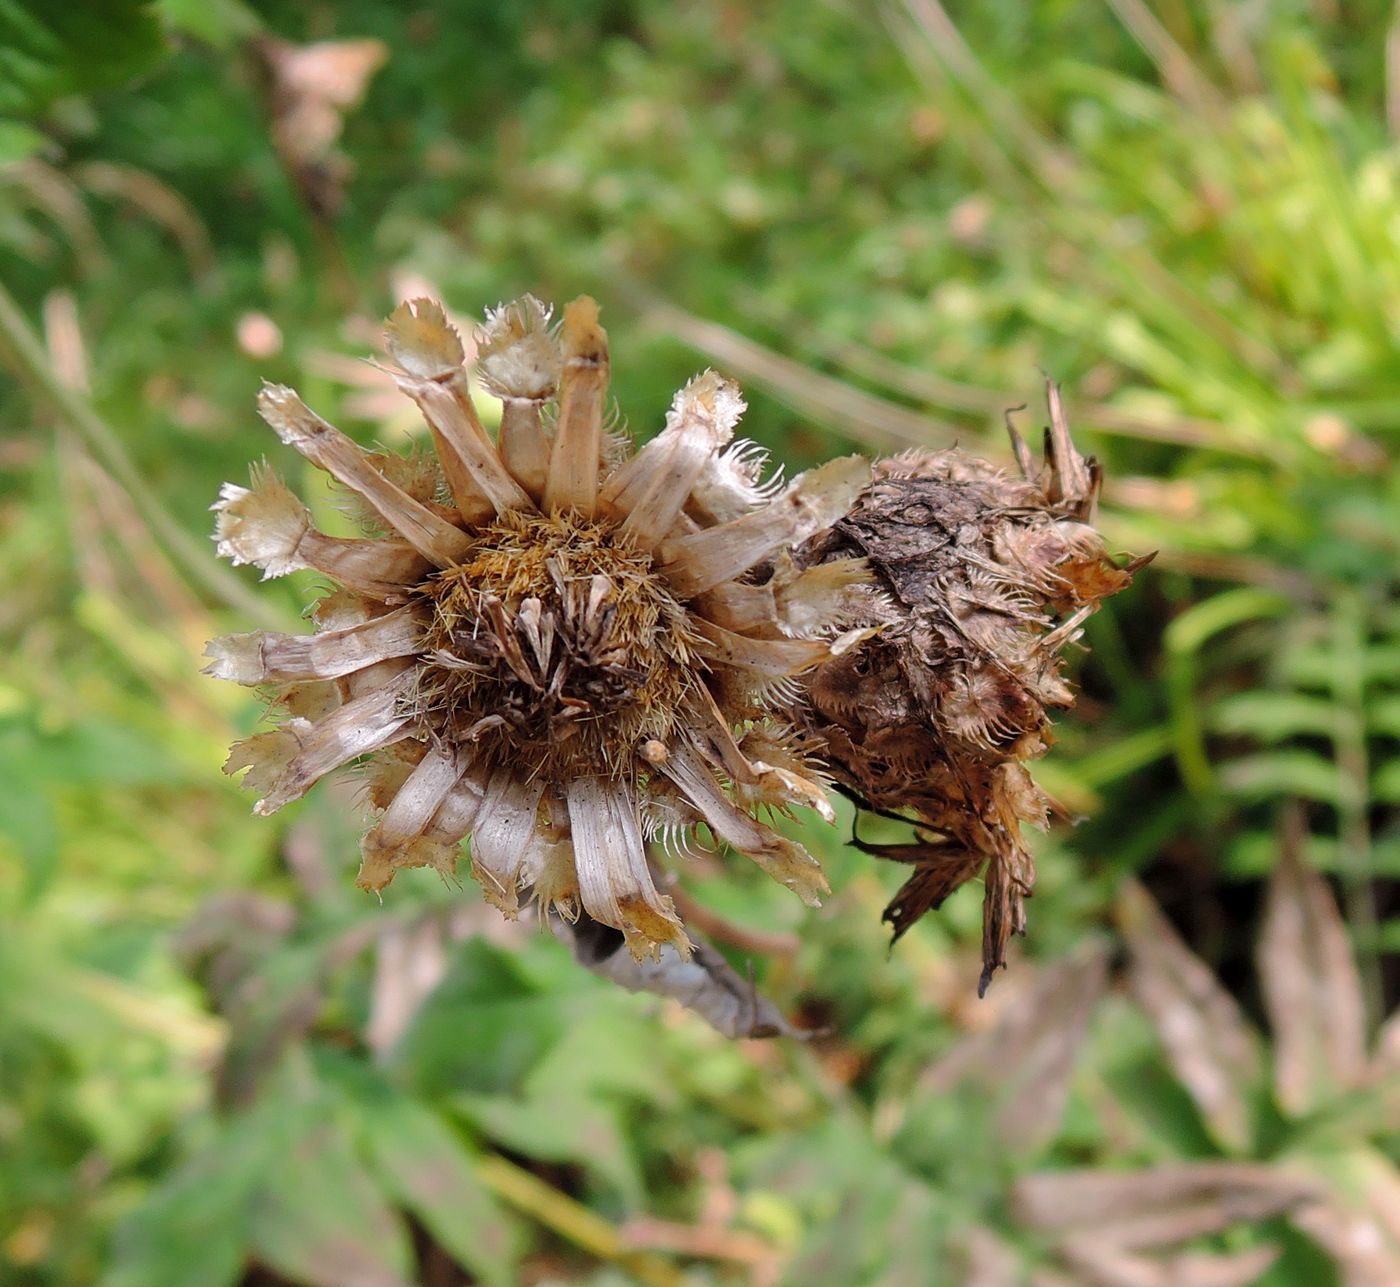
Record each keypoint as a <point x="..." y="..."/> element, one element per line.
<point x="1029" y="1056"/>
<point x="1108" y="1202"/>
<point x="1211" y="1046"/>
<point x="939" y="870"/>
<point x="1312" y="990"/>
<point x="1380" y="1182"/>
<point x="311" y="90"/>
<point x="1171" y="1226"/>
<point x="1359" y="1222"/>
<point x="409" y="962"/>
<point x="1362" y="1256"/>
<point x="1385" y="1057"/>
<point x="1100" y="1265"/>
<point x="985" y="1260"/>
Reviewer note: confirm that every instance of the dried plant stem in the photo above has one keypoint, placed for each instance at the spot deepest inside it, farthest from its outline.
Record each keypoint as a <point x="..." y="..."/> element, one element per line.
<point x="1033" y="166"/>
<point x="740" y="937"/>
<point x="827" y="400"/>
<point x="572" y="1221"/>
<point x="918" y="383"/>
<point x="23" y="352"/>
<point x="701" y="1241"/>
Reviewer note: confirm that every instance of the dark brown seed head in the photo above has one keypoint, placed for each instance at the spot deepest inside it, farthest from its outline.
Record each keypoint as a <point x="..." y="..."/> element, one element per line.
<point x="989" y="578"/>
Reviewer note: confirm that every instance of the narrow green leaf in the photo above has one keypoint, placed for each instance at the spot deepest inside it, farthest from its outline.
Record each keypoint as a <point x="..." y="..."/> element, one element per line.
<point x="1276" y="774"/>
<point x="1273" y="716"/>
<point x="1190" y="631"/>
<point x="219" y="23"/>
<point x="18" y="141"/>
<point x="1385" y="783"/>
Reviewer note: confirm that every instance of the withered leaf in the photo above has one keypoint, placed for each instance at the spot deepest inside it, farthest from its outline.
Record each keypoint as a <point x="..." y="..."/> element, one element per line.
<point x="706" y="984"/>
<point x="1103" y="1221"/>
<point x="1385" y="1057"/>
<point x="985" y="1259"/>
<point x="312" y="88"/>
<point x="939" y="870"/>
<point x="1209" y="1043"/>
<point x="1028" y="1058"/>
<point x="1110" y="1202"/>
<point x="1363" y="1259"/>
<point x="1359" y="1222"/>
<point x="1312" y="990"/>
<point x="409" y="961"/>
<point x="1098" y="1264"/>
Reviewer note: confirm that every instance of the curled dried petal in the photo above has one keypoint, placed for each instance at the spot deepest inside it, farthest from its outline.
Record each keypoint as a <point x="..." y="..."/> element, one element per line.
<point x="402" y="836"/>
<point x="267" y="526"/>
<point x="578" y="439"/>
<point x="263" y="657"/>
<point x="614" y="882"/>
<point x="502" y="833"/>
<point x="263" y="525"/>
<point x="814" y="601"/>
<point x="285" y="763"/>
<point x="784" y="860"/>
<point x="462" y="435"/>
<point x="773" y="657"/>
<point x="547" y="868"/>
<point x="731" y="484"/>
<point x="779" y="774"/>
<point x="326" y="447"/>
<point x="652" y="488"/>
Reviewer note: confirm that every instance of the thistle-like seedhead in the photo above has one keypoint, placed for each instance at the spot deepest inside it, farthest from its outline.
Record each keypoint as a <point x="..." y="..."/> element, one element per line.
<point x="554" y="652"/>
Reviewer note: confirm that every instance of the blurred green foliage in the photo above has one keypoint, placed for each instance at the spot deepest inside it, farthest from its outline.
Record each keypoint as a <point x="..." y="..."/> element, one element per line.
<point x="219" y="1063"/>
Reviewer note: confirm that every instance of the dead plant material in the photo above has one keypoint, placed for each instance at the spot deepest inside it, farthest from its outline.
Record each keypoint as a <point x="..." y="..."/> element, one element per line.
<point x="311" y="89"/>
<point x="983" y="580"/>
<point x="550" y="643"/>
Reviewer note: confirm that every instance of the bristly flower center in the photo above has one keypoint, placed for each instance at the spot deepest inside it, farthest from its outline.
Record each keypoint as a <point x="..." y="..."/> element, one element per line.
<point x="554" y="644"/>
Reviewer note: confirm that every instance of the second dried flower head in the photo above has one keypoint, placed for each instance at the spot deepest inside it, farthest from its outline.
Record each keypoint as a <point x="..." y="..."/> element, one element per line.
<point x="549" y="645"/>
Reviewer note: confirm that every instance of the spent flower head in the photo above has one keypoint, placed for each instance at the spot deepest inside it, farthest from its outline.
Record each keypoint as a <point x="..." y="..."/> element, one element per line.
<point x="560" y="654"/>
<point x="983" y="580"/>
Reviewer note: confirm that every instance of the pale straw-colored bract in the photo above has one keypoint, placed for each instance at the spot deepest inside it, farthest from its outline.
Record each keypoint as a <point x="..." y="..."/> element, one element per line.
<point x="571" y="663"/>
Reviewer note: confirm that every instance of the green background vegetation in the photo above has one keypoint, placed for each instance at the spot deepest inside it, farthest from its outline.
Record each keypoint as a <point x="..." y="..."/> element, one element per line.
<point x="216" y="1064"/>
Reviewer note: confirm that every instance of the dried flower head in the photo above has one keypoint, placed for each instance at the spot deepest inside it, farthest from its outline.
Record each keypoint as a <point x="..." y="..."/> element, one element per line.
<point x="560" y="654"/>
<point x="984" y="580"/>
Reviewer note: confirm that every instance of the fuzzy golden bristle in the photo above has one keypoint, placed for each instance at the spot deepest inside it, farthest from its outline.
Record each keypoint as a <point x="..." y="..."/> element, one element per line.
<point x="554" y="643"/>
